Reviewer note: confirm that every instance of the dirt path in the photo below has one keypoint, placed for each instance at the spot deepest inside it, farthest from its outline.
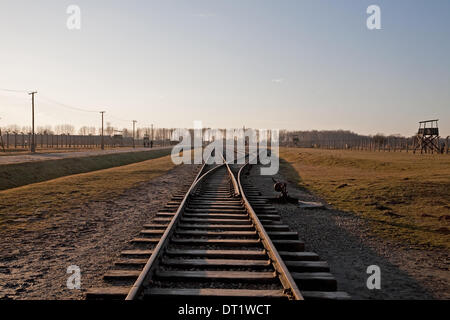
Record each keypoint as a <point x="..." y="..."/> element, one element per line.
<point x="344" y="240"/>
<point x="65" y="155"/>
<point x="34" y="260"/>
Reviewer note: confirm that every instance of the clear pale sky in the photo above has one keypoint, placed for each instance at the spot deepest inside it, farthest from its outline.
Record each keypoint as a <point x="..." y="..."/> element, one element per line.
<point x="264" y="64"/>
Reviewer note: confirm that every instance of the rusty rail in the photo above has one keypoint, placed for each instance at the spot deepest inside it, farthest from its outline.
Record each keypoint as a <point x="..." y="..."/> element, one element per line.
<point x="286" y="279"/>
<point x="153" y="262"/>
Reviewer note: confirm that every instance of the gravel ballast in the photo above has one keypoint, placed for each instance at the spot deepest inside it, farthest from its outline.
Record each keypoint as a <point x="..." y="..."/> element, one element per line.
<point x="347" y="243"/>
<point x="34" y="260"/>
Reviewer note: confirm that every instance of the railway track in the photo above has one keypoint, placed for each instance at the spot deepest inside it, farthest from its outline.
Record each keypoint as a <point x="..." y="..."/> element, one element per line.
<point x="219" y="239"/>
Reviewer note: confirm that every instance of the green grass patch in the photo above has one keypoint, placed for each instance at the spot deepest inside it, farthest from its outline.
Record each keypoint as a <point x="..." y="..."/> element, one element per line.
<point x="17" y="175"/>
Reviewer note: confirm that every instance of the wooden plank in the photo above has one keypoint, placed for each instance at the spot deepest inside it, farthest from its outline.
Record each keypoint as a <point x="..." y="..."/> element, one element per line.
<point x="277" y="227"/>
<point x="145" y="240"/>
<point x="270" y="222"/>
<point x="174" y="202"/>
<point x="323" y="295"/>
<point x="155" y="226"/>
<point x="165" y="214"/>
<point x="131" y="262"/>
<point x="292" y="235"/>
<point x="230" y="254"/>
<point x="153" y="232"/>
<point x="162" y="220"/>
<point x="307" y="266"/>
<point x="315" y="281"/>
<point x="269" y="216"/>
<point x="289" y="245"/>
<point x="209" y="202"/>
<point x="257" y="200"/>
<point x="224" y="234"/>
<point x="234" y="276"/>
<point x="137" y="253"/>
<point x="121" y="274"/>
<point x="227" y="200"/>
<point x="217" y="263"/>
<point x="112" y="293"/>
<point x="216" y="221"/>
<point x="237" y="216"/>
<point x="215" y="198"/>
<point x="220" y="210"/>
<point x="229" y="227"/>
<point x="219" y="293"/>
<point x="299" y="256"/>
<point x="216" y="206"/>
<point x="218" y="242"/>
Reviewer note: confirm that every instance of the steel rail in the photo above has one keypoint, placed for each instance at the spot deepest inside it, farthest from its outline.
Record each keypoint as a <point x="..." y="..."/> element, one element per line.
<point x="233" y="179"/>
<point x="286" y="279"/>
<point x="290" y="288"/>
<point x="153" y="262"/>
<point x="237" y="191"/>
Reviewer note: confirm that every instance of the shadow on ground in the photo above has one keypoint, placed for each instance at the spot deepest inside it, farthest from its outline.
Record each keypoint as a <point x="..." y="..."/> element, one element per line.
<point x="345" y="241"/>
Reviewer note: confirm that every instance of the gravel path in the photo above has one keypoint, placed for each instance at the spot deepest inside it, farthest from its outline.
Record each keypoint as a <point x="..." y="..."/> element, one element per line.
<point x="34" y="259"/>
<point x="65" y="155"/>
<point x="345" y="241"/>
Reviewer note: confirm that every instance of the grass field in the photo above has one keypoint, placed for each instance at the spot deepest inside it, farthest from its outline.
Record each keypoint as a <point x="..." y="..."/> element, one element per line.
<point x="67" y="192"/>
<point x="405" y="197"/>
<point x="18" y="152"/>
<point x="17" y="175"/>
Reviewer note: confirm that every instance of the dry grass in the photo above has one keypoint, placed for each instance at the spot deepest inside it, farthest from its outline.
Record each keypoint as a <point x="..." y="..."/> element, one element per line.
<point x="24" y="151"/>
<point x="405" y="197"/>
<point x="62" y="194"/>
<point x="20" y="174"/>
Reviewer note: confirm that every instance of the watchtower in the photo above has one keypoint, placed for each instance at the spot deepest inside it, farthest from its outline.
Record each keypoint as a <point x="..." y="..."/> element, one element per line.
<point x="1" y="141"/>
<point x="427" y="139"/>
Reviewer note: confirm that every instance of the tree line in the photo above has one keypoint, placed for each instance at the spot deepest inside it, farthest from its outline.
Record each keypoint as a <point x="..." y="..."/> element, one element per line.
<point x="109" y="130"/>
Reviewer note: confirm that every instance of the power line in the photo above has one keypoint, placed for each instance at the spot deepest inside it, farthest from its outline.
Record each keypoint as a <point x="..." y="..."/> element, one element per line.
<point x="52" y="101"/>
<point x="118" y="119"/>
<point x="11" y="90"/>
<point x="64" y="105"/>
<point x="69" y="106"/>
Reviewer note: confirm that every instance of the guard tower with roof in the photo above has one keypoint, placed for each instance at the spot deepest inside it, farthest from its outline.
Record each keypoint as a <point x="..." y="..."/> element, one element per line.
<point x="427" y="139"/>
<point x="2" y="144"/>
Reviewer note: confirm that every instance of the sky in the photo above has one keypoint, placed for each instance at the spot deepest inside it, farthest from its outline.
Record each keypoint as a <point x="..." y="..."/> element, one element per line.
<point x="284" y="64"/>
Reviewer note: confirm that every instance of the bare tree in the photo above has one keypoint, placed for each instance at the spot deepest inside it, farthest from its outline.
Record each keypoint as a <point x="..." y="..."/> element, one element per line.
<point x="92" y="131"/>
<point x="13" y="128"/>
<point x="64" y="129"/>
<point x="83" y="131"/>
<point x="379" y="139"/>
<point x="109" y="129"/>
<point x="139" y="133"/>
<point x="26" y="129"/>
<point x="44" y="130"/>
<point x="126" y="133"/>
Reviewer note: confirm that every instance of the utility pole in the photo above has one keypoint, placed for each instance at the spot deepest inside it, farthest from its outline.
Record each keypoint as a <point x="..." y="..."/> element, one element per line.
<point x="1" y="139"/>
<point x="152" y="137"/>
<point x="103" y="118"/>
<point x="33" y="145"/>
<point x="134" y="127"/>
